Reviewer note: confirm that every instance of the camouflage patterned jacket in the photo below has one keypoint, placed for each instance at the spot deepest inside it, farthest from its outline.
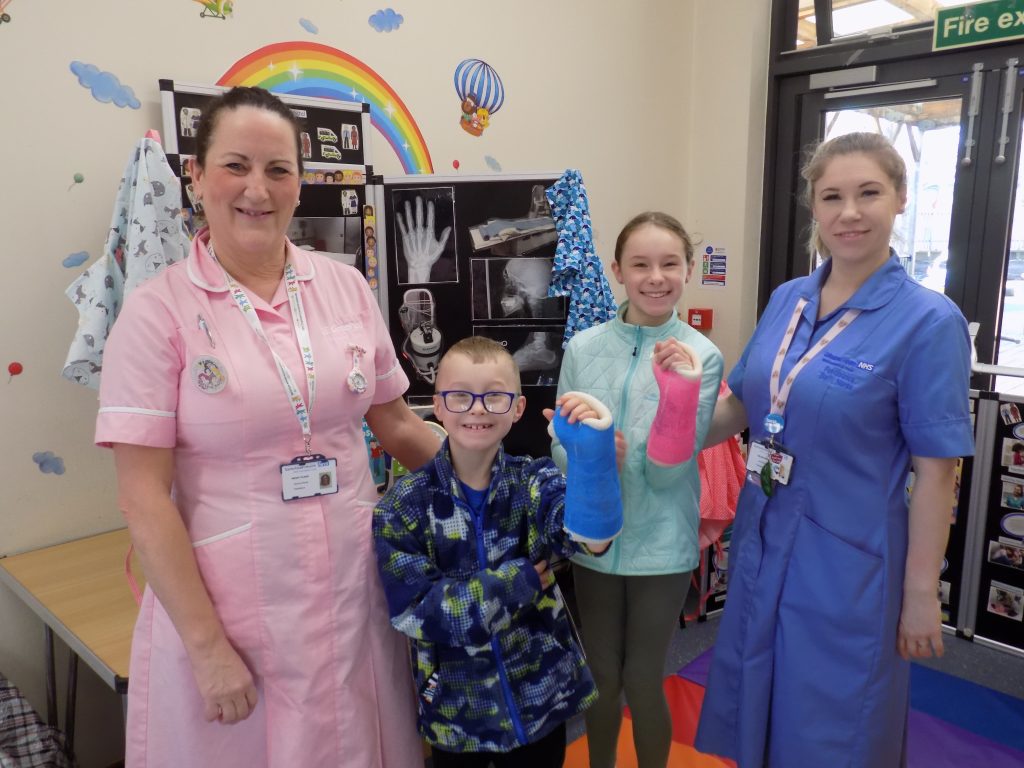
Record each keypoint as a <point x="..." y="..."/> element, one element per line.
<point x="494" y="659"/>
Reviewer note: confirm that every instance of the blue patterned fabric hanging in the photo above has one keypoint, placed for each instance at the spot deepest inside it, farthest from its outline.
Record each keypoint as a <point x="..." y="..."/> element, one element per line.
<point x="577" y="271"/>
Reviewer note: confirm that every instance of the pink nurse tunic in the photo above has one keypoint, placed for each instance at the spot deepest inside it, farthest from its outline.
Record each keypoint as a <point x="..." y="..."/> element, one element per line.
<point x="294" y="583"/>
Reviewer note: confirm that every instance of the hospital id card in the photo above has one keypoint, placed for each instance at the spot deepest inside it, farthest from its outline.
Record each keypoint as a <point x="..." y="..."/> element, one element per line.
<point x="307" y="476"/>
<point x="781" y="461"/>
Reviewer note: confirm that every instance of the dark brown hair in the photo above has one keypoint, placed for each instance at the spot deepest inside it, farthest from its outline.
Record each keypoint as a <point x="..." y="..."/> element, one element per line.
<point x="243" y="96"/>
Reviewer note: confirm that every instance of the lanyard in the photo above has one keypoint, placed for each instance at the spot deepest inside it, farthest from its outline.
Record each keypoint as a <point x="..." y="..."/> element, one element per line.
<point x="780" y="394"/>
<point x="302" y="411"/>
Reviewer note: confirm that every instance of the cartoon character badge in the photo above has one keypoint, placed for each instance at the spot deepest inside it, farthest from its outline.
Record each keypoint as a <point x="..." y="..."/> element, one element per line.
<point x="481" y="93"/>
<point x="209" y="375"/>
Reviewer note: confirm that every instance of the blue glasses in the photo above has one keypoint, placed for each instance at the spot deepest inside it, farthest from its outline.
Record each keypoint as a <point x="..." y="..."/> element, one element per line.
<point x="460" y="401"/>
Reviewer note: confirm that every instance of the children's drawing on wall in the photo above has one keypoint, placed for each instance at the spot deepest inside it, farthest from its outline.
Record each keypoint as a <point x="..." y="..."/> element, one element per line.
<point x="424" y="219"/>
<point x="423" y="342"/>
<point x="215" y="9"/>
<point x="5" y="17"/>
<point x="481" y="93"/>
<point x="48" y="463"/>
<point x="386" y="20"/>
<point x="104" y="86"/>
<point x="309" y="26"/>
<point x="14" y="369"/>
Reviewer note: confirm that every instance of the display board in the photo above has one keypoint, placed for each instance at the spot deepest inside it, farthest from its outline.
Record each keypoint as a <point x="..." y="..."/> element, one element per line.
<point x="472" y="255"/>
<point x="1000" y="600"/>
<point x="334" y="216"/>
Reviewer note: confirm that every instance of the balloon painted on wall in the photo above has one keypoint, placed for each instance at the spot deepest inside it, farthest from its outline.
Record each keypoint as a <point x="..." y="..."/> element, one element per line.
<point x="215" y="9"/>
<point x="309" y="26"/>
<point x="105" y="86"/>
<point x="481" y="92"/>
<point x="4" y="15"/>
<point x="76" y="179"/>
<point x="14" y="369"/>
<point x="493" y="164"/>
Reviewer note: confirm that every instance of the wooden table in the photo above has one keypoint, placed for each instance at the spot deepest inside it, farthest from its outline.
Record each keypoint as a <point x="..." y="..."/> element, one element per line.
<point x="80" y="591"/>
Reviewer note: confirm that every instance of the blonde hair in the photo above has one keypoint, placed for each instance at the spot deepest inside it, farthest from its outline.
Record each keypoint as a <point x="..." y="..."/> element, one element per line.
<point x="480" y="349"/>
<point x="876" y="146"/>
<point x="656" y="219"/>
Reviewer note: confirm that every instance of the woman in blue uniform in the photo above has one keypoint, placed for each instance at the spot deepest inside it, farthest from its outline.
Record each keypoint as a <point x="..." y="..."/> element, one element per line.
<point x="854" y="375"/>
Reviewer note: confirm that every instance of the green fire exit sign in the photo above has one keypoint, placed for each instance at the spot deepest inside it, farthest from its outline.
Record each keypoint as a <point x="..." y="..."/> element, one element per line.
<point x="977" y="24"/>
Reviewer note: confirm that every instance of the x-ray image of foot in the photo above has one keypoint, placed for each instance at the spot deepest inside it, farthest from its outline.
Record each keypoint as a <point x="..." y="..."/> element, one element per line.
<point x="514" y="236"/>
<point x="535" y="353"/>
<point x="422" y="344"/>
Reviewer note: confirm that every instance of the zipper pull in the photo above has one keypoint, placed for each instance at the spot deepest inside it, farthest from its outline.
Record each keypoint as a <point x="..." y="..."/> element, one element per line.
<point x="635" y="348"/>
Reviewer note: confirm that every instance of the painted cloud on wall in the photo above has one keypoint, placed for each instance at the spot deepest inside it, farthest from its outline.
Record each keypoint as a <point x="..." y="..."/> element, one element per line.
<point x="105" y="86"/>
<point x="76" y="259"/>
<point x="386" y="20"/>
<point x="48" y="463"/>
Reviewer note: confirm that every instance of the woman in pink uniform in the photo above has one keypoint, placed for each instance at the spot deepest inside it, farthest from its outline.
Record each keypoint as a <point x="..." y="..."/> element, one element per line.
<point x="234" y="388"/>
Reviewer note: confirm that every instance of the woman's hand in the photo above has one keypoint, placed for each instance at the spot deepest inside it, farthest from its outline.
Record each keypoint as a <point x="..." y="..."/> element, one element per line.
<point x="920" y="628"/>
<point x="620" y="449"/>
<point x="225" y="683"/>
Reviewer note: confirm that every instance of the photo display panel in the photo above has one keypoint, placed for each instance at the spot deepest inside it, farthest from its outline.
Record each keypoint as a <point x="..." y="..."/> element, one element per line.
<point x="473" y="256"/>
<point x="1001" y="587"/>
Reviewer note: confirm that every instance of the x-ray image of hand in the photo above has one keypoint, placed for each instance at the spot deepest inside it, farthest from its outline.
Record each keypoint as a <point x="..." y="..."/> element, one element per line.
<point x="422" y="248"/>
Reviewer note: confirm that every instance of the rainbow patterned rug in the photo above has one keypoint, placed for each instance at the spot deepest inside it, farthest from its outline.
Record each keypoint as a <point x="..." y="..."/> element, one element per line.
<point x="952" y="723"/>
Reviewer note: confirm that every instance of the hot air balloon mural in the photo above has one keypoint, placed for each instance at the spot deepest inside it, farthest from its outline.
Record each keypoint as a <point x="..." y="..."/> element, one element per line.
<point x="481" y="92"/>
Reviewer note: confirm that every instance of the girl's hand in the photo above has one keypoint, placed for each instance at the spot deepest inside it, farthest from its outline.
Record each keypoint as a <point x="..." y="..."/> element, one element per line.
<point x="620" y="449"/>
<point x="671" y="353"/>
<point x="920" y="629"/>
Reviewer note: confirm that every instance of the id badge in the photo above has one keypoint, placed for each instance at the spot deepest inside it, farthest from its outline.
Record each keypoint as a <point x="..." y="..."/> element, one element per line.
<point x="774" y="455"/>
<point x="307" y="476"/>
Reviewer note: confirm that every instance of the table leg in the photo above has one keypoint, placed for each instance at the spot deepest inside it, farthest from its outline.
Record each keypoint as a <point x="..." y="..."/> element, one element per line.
<point x="69" y="705"/>
<point x="51" y="678"/>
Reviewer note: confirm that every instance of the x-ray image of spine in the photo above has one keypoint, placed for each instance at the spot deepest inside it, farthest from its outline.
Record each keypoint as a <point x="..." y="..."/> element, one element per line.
<point x="422" y="345"/>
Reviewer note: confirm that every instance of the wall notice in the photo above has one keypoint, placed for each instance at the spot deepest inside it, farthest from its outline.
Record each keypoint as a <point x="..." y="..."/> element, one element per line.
<point x="713" y="266"/>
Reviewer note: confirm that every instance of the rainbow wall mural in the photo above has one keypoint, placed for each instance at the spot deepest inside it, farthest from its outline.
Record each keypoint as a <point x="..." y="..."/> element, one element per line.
<point x="303" y="68"/>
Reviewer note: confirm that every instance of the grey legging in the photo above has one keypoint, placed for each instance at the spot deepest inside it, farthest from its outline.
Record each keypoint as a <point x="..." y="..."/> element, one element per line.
<point x="627" y="625"/>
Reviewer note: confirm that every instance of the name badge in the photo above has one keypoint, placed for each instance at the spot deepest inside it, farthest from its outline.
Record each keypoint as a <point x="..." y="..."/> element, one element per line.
<point x="307" y="476"/>
<point x="773" y="455"/>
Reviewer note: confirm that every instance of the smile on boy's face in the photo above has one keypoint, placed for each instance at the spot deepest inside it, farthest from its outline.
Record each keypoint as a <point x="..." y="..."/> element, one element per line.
<point x="477" y="429"/>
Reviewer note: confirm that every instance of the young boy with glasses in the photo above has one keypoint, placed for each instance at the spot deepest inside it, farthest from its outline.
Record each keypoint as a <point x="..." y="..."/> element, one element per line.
<point x="464" y="546"/>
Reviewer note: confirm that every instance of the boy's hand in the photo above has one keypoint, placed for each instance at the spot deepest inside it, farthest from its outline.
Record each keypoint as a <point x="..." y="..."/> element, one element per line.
<point x="547" y="577"/>
<point x="573" y="409"/>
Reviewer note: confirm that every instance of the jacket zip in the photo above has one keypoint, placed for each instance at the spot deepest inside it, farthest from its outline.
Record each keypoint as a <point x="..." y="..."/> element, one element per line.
<point x="638" y="345"/>
<point x="506" y="689"/>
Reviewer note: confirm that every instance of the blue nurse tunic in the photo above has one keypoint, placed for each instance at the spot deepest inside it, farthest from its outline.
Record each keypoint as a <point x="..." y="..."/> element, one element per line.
<point x="806" y="671"/>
